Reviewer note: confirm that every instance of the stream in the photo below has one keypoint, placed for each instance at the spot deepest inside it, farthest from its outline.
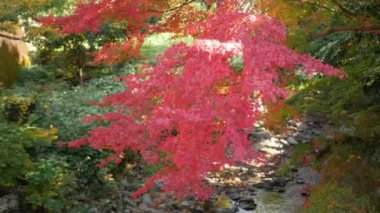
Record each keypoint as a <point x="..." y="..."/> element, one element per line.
<point x="252" y="186"/>
<point x="290" y="200"/>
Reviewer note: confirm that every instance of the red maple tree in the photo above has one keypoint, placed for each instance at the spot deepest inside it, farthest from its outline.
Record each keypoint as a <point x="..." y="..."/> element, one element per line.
<point x="191" y="111"/>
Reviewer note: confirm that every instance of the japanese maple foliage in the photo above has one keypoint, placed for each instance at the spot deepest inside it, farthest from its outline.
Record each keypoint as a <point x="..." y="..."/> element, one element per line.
<point x="190" y="112"/>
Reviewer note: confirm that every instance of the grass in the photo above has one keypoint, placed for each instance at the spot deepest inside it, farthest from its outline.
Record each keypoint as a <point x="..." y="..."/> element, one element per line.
<point x="156" y="44"/>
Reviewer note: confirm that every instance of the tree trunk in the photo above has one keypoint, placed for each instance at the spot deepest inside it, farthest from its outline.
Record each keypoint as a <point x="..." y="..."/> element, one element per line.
<point x="81" y="76"/>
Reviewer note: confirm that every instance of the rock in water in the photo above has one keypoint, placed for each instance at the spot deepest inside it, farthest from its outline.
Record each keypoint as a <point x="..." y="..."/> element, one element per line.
<point x="258" y="136"/>
<point x="291" y="141"/>
<point x="300" y="181"/>
<point x="199" y="210"/>
<point x="234" y="196"/>
<point x="9" y="203"/>
<point x="247" y="204"/>
<point x="146" y="200"/>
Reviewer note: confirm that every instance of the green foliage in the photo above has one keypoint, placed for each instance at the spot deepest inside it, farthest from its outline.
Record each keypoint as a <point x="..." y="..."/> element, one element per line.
<point x="330" y="197"/>
<point x="63" y="107"/>
<point x="12" y="10"/>
<point x="37" y="76"/>
<point x="17" y="108"/>
<point x="284" y="169"/>
<point x="56" y="178"/>
<point x="15" y="160"/>
<point x="351" y="104"/>
<point x="15" y="143"/>
<point x="301" y="155"/>
<point x="67" y="53"/>
<point x="56" y="103"/>
<point x="150" y="169"/>
<point x="70" y="54"/>
<point x="349" y="174"/>
<point x="48" y="184"/>
<point x="236" y="63"/>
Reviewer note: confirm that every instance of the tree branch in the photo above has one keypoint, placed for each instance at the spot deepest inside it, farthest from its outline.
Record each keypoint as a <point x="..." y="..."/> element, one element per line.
<point x="342" y="8"/>
<point x="181" y="5"/>
<point x="173" y="8"/>
<point x="345" y="11"/>
<point x="10" y="36"/>
<point x="322" y="6"/>
<point x="329" y="31"/>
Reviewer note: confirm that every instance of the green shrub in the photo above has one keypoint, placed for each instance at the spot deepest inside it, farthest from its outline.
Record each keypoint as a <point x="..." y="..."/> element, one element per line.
<point x="14" y="160"/>
<point x="16" y="108"/>
<point x="352" y="104"/>
<point x="37" y="75"/>
<point x="57" y="178"/>
<point x="48" y="184"/>
<point x="16" y="142"/>
<point x="301" y="150"/>
<point x="63" y="107"/>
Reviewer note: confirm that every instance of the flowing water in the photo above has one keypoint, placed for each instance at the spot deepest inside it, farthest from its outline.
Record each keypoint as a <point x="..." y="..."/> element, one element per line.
<point x="287" y="202"/>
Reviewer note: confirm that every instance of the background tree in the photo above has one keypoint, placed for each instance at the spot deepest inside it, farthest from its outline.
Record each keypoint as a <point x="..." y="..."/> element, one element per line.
<point x="345" y="34"/>
<point x="15" y="22"/>
<point x="13" y="56"/>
